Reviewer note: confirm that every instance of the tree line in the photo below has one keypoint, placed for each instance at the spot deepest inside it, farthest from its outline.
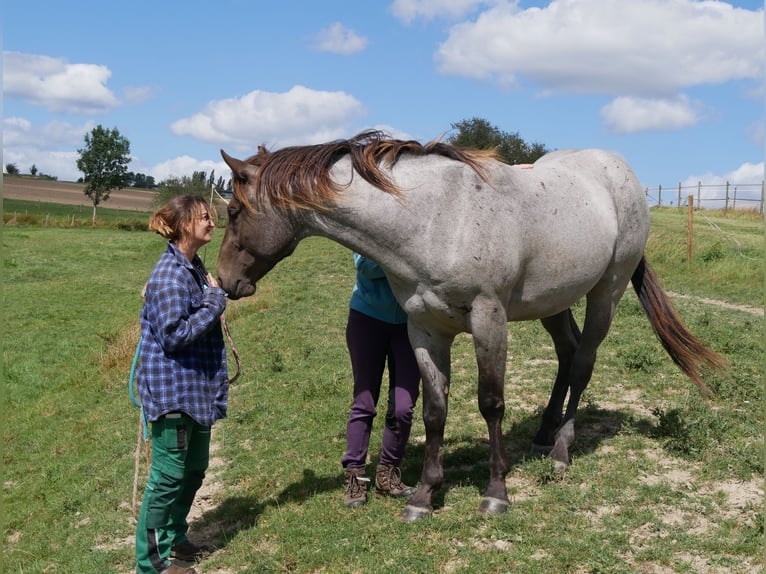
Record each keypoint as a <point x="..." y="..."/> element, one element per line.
<point x="104" y="160"/>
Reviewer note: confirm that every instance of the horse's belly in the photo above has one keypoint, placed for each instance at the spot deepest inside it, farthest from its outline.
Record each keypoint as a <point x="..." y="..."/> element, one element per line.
<point x="550" y="285"/>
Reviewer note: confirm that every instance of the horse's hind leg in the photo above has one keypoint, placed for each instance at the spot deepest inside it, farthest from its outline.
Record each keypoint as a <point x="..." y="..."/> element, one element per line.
<point x="565" y="333"/>
<point x="598" y="318"/>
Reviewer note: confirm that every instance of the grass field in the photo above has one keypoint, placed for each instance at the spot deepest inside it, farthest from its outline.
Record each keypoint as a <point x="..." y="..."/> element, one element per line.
<point x="662" y="480"/>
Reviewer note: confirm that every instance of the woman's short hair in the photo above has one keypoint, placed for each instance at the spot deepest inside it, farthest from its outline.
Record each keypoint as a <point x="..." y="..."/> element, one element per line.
<point x="171" y="219"/>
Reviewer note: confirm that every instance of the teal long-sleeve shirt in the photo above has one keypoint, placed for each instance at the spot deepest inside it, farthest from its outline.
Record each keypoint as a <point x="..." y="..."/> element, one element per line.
<point x="372" y="294"/>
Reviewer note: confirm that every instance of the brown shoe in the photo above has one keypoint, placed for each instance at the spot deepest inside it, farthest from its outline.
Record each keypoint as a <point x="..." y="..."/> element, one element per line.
<point x="388" y="482"/>
<point x="176" y="569"/>
<point x="356" y="487"/>
<point x="187" y="551"/>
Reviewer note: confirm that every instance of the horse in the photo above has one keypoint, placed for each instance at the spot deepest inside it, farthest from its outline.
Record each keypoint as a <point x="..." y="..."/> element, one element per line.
<point x="468" y="244"/>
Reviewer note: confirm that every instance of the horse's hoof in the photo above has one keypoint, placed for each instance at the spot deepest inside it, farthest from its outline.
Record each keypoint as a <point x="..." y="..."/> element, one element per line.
<point x="540" y="449"/>
<point x="490" y="505"/>
<point x="413" y="513"/>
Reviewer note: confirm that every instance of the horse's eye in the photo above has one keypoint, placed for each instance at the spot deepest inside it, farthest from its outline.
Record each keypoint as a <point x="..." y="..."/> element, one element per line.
<point x="233" y="209"/>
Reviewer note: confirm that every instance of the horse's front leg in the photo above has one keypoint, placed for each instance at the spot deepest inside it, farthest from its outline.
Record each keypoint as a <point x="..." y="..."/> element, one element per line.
<point x="433" y="356"/>
<point x="490" y="337"/>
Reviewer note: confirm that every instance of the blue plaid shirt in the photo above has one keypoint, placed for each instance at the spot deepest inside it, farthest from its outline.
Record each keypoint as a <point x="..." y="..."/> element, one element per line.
<point x="183" y="357"/>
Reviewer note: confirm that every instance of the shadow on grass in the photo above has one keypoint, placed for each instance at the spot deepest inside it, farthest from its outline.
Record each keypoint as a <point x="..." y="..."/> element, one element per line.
<point x="465" y="462"/>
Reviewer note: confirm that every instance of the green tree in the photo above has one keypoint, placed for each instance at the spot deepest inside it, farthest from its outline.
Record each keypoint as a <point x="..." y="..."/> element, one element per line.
<point x="33" y="170"/>
<point x="104" y="162"/>
<point x="184" y="185"/>
<point x="479" y="133"/>
<point x="11" y="169"/>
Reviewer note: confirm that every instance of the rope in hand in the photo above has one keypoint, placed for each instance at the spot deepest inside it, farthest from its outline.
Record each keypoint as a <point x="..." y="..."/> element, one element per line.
<point x="143" y="426"/>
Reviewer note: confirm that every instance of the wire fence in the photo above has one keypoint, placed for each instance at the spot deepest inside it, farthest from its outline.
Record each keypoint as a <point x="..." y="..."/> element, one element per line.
<point x="712" y="196"/>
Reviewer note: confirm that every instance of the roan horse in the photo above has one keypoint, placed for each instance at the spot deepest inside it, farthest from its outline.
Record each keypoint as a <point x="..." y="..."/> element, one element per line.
<point x="468" y="243"/>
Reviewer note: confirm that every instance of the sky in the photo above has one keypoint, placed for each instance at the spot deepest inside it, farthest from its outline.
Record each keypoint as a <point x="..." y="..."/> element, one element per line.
<point x="676" y="87"/>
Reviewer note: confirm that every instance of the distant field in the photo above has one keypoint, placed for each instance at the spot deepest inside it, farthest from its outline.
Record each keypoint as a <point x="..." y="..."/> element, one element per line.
<point x="44" y="190"/>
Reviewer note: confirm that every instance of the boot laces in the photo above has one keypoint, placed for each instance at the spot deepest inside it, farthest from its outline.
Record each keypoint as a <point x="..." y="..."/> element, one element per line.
<point x="357" y="485"/>
<point x="395" y="479"/>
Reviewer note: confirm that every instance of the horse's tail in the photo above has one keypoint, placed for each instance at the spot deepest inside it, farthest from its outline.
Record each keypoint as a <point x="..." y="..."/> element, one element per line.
<point x="685" y="349"/>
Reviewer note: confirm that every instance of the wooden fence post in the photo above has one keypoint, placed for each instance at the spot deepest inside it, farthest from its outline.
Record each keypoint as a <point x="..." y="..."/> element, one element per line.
<point x="678" y="204"/>
<point x="689" y="229"/>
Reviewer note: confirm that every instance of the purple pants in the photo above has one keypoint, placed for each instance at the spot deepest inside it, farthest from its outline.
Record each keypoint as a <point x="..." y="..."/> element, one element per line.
<point x="370" y="343"/>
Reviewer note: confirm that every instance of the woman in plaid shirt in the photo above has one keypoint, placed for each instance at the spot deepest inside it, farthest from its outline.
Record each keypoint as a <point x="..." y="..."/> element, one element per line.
<point x="182" y="381"/>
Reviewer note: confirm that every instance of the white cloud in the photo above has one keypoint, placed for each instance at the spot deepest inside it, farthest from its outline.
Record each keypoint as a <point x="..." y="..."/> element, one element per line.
<point x="138" y="94"/>
<point x="338" y="39"/>
<point x="185" y="166"/>
<point x="20" y="132"/>
<point x="629" y="115"/>
<point x="299" y="116"/>
<point x="57" y="85"/>
<point x="409" y="10"/>
<point x="744" y="183"/>
<point x="650" y="48"/>
<point x="49" y="147"/>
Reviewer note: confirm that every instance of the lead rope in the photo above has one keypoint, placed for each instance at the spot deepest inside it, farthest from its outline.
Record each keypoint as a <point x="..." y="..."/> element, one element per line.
<point x="143" y="426"/>
<point x="143" y="431"/>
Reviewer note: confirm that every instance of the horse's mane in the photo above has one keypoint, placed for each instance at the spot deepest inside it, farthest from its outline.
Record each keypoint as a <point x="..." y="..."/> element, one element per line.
<point x="299" y="176"/>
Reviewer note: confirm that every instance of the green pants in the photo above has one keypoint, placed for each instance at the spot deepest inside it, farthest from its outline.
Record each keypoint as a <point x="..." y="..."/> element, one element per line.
<point x="180" y="454"/>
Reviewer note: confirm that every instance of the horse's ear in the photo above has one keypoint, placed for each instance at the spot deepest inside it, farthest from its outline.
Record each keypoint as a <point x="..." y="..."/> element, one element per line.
<point x="239" y="168"/>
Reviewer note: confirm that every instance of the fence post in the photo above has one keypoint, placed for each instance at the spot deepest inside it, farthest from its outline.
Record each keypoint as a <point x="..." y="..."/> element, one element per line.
<point x="659" y="196"/>
<point x="726" y="205"/>
<point x="760" y="210"/>
<point x="689" y="229"/>
<point x="679" y="195"/>
<point x="699" y="194"/>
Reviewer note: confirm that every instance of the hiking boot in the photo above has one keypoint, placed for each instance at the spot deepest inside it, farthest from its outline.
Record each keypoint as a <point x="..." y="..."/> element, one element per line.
<point x="388" y="482"/>
<point x="356" y="487"/>
<point x="187" y="551"/>
<point x="176" y="569"/>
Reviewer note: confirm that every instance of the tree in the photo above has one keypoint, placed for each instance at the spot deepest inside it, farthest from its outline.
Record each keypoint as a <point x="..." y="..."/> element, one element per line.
<point x="184" y="185"/>
<point x="11" y="169"/>
<point x="104" y="162"/>
<point x="479" y="133"/>
<point x="33" y="170"/>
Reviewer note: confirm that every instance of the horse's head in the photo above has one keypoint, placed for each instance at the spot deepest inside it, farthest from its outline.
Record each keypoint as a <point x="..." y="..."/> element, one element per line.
<point x="256" y="239"/>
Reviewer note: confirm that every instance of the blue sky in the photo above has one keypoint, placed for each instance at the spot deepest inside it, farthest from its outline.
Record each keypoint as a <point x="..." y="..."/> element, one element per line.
<point x="674" y="86"/>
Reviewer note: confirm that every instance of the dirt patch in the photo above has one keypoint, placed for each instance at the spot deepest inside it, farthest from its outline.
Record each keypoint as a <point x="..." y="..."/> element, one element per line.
<point x="719" y="303"/>
<point x="46" y="191"/>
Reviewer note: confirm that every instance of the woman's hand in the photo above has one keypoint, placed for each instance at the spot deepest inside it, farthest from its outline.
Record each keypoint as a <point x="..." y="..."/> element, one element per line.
<point x="211" y="281"/>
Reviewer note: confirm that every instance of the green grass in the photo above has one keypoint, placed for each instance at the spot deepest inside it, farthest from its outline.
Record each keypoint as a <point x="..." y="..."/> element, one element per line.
<point x="727" y="253"/>
<point x="19" y="212"/>
<point x="656" y="469"/>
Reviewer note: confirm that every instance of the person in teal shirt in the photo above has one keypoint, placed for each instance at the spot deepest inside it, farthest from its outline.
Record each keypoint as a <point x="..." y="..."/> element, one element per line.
<point x="376" y="335"/>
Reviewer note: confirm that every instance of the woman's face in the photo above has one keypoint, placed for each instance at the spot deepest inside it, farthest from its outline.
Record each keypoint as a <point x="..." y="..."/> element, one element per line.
<point x="200" y="228"/>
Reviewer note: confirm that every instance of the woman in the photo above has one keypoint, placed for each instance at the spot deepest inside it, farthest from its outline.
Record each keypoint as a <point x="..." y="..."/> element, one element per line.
<point x="376" y="332"/>
<point x="182" y="381"/>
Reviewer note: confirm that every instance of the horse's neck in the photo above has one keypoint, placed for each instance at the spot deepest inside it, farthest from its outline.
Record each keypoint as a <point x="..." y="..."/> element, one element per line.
<point x="364" y="224"/>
